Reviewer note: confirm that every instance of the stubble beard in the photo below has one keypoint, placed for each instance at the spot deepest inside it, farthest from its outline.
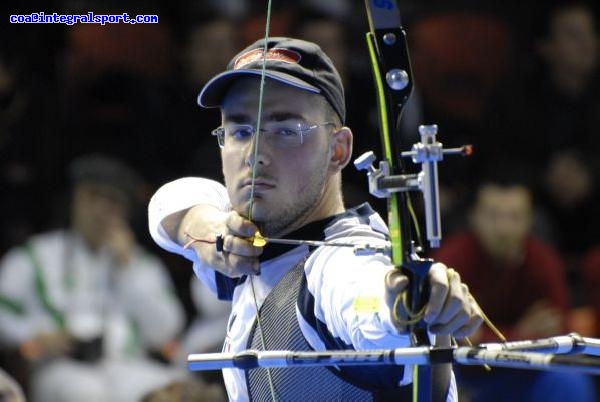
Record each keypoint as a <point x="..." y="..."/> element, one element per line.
<point x="280" y="219"/>
<point x="279" y="222"/>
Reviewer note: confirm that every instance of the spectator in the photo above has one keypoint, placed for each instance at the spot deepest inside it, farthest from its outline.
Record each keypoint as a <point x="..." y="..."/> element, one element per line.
<point x="520" y="284"/>
<point x="84" y="304"/>
<point x="552" y="124"/>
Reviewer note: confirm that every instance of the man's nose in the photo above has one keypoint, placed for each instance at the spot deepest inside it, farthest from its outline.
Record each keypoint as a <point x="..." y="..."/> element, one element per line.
<point x="258" y="151"/>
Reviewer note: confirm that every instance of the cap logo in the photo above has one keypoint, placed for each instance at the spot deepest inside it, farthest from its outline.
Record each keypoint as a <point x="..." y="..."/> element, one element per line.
<point x="274" y="54"/>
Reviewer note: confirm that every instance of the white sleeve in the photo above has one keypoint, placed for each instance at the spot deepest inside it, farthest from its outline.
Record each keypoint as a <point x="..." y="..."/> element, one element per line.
<point x="180" y="195"/>
<point x="349" y="293"/>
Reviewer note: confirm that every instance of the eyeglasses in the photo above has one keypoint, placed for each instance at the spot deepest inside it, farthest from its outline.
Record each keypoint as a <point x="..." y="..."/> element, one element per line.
<point x="280" y="135"/>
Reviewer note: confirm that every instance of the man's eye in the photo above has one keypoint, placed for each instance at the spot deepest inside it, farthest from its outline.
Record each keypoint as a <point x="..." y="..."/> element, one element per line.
<point x="241" y="133"/>
<point x="286" y="132"/>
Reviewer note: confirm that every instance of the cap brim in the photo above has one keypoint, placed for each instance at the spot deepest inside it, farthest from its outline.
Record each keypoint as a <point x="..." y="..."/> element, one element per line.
<point x="214" y="90"/>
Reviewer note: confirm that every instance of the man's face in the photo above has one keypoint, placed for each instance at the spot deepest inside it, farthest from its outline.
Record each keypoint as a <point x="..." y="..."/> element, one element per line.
<point x="290" y="182"/>
<point x="502" y="220"/>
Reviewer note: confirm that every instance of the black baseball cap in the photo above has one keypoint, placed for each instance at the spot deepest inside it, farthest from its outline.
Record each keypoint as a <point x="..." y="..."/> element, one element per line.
<point x="291" y="61"/>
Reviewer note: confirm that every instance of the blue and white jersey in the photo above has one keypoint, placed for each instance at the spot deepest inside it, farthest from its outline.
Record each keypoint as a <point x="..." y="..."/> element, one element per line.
<point x="348" y="290"/>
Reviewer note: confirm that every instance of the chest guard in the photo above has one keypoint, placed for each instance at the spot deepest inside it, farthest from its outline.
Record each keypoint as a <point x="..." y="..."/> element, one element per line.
<point x="281" y="331"/>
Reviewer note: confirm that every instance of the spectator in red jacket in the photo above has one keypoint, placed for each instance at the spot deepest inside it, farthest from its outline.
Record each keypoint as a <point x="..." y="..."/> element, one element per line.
<point x="528" y="295"/>
<point x="520" y="283"/>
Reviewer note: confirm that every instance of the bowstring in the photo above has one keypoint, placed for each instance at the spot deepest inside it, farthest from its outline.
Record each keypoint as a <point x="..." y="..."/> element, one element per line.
<point x="253" y="179"/>
<point x="260" y="105"/>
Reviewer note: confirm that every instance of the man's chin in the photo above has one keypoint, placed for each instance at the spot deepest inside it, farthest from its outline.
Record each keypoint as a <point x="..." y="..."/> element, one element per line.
<point x="260" y="209"/>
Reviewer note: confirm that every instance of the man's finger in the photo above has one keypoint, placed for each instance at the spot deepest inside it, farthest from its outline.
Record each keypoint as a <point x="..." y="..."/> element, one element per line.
<point x="457" y="299"/>
<point x="451" y="327"/>
<point x="395" y="283"/>
<point x="238" y="265"/>
<point x="450" y="312"/>
<point x="241" y="247"/>
<point x="438" y="281"/>
<point x="469" y="328"/>
<point x="239" y="225"/>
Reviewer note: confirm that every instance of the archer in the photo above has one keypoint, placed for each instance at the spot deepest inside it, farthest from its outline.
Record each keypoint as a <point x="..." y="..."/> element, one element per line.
<point x="283" y="147"/>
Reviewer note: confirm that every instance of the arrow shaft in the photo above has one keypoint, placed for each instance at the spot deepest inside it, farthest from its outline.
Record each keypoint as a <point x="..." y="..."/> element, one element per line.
<point x="315" y="243"/>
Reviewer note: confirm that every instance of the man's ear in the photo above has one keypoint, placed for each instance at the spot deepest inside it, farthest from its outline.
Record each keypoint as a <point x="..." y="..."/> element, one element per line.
<point x="341" y="148"/>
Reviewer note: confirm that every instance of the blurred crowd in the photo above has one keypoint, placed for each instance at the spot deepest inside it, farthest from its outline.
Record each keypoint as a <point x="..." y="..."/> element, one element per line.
<point x="521" y="217"/>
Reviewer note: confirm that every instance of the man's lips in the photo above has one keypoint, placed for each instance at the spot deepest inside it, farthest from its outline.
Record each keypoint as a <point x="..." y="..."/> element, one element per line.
<point x="259" y="184"/>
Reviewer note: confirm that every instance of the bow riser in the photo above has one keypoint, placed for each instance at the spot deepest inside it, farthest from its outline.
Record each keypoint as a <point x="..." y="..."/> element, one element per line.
<point x="393" y="78"/>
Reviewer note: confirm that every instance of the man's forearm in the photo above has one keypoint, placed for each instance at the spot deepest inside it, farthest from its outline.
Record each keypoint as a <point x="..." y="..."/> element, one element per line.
<point x="172" y="223"/>
<point x="193" y="221"/>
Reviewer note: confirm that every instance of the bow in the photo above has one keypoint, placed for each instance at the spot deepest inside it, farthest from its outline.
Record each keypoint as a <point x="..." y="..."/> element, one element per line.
<point x="389" y="57"/>
<point x="393" y="78"/>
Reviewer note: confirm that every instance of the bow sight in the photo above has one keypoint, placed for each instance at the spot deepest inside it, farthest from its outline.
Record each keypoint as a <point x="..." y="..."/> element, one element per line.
<point x="428" y="153"/>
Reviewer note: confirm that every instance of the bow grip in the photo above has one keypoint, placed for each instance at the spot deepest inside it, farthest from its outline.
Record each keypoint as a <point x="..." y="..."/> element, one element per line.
<point x="417" y="272"/>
